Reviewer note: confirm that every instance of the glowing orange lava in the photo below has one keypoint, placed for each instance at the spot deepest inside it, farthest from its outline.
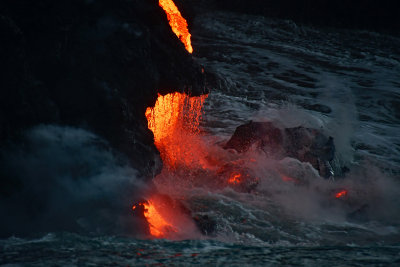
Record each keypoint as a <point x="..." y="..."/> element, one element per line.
<point x="341" y="194"/>
<point x="177" y="22"/>
<point x="159" y="227"/>
<point x="235" y="178"/>
<point x="174" y="121"/>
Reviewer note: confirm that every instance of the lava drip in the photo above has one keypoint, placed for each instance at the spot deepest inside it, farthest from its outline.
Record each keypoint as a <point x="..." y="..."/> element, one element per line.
<point x="177" y="22"/>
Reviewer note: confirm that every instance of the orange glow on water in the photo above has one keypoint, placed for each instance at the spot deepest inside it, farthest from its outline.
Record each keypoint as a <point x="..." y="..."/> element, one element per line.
<point x="177" y="22"/>
<point x="174" y="121"/>
<point x="341" y="194"/>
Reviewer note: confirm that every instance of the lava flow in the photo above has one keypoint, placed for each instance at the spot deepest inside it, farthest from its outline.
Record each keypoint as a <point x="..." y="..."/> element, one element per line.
<point x="158" y="226"/>
<point x="166" y="217"/>
<point x="177" y="22"/>
<point x="174" y="121"/>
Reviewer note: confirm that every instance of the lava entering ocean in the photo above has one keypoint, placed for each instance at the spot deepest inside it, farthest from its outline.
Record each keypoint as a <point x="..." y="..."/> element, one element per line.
<point x="190" y="160"/>
<point x="177" y="22"/>
<point x="166" y="217"/>
<point x="174" y="121"/>
<point x="158" y="226"/>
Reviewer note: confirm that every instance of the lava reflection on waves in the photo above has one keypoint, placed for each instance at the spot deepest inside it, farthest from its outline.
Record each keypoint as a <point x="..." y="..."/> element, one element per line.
<point x="177" y="22"/>
<point x="174" y="121"/>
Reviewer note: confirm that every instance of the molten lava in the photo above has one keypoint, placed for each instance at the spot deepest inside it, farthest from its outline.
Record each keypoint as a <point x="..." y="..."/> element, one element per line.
<point x="342" y="193"/>
<point x="177" y="22"/>
<point x="174" y="121"/>
<point x="235" y="178"/>
<point x="158" y="226"/>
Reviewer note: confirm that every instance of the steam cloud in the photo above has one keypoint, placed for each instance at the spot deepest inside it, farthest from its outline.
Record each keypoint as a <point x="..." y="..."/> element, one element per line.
<point x="63" y="178"/>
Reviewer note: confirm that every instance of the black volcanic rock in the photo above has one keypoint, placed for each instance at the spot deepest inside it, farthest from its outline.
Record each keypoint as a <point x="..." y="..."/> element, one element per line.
<point x="304" y="144"/>
<point x="90" y="64"/>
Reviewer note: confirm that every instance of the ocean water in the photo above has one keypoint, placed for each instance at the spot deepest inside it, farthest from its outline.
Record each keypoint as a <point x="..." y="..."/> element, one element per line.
<point x="73" y="250"/>
<point x="345" y="83"/>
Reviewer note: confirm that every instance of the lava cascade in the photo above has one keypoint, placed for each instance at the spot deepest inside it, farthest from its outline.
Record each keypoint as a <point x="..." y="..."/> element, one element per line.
<point x="177" y="22"/>
<point x="174" y="121"/>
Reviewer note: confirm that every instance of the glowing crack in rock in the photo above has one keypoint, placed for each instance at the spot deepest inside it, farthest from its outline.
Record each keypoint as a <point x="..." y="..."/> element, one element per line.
<point x="177" y="22"/>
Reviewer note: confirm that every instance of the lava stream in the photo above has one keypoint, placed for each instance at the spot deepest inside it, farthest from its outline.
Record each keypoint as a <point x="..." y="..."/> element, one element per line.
<point x="177" y="22"/>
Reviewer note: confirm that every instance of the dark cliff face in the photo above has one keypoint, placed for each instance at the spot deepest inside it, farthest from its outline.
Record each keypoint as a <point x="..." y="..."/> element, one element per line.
<point x="377" y="15"/>
<point x="91" y="64"/>
<point x="76" y="79"/>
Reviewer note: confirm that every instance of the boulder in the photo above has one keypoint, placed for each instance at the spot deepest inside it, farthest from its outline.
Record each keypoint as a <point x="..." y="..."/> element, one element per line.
<point x="305" y="144"/>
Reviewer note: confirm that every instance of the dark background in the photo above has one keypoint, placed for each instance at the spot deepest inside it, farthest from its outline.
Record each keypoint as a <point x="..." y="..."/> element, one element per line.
<point x="383" y="15"/>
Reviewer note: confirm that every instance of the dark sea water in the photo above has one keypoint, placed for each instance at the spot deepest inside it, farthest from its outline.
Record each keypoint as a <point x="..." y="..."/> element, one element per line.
<point x="74" y="250"/>
<point x="346" y="83"/>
